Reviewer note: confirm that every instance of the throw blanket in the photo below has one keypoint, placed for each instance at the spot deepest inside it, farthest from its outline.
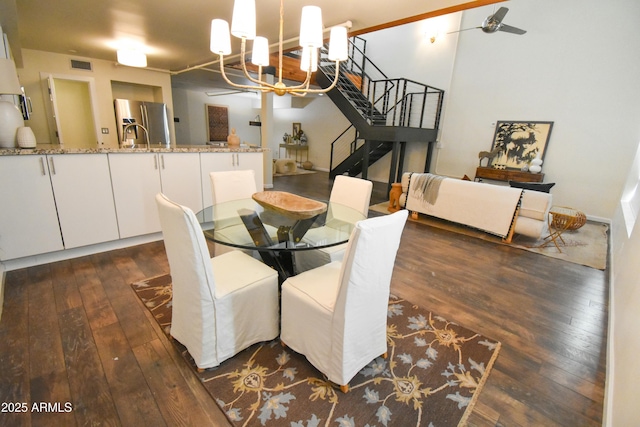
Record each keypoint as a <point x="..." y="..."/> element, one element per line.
<point x="487" y="207"/>
<point x="426" y="186"/>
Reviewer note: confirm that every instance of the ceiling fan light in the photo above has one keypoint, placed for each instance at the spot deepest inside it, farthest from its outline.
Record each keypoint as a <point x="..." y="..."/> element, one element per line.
<point x="311" y="27"/>
<point x="132" y="57"/>
<point x="243" y="23"/>
<point x="308" y="58"/>
<point x="260" y="54"/>
<point x="220" y="39"/>
<point x="338" y="44"/>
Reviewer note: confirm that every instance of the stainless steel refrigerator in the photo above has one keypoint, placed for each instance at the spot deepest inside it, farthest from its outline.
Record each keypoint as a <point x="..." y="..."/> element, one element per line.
<point x="152" y="115"/>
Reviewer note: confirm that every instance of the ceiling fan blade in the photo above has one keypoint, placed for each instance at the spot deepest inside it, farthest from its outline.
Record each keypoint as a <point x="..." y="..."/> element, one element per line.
<point x="510" y="29"/>
<point x="499" y="15"/>
<point x="466" y="29"/>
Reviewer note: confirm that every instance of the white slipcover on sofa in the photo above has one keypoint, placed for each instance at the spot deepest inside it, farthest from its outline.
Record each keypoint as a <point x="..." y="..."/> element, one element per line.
<point x="495" y="209"/>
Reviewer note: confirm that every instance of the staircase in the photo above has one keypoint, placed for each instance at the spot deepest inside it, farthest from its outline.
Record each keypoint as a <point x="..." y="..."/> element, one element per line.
<point x="384" y="113"/>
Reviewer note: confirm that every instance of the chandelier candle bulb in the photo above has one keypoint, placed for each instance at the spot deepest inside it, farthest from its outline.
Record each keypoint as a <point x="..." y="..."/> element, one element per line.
<point x="309" y="56"/>
<point x="243" y="23"/>
<point x="311" y="27"/>
<point x="220" y="39"/>
<point x="260" y="54"/>
<point x="338" y="44"/>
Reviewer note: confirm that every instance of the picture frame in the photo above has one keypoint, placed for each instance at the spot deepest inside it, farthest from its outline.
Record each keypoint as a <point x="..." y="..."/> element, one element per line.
<point x="217" y="117"/>
<point x="296" y="129"/>
<point x="519" y="142"/>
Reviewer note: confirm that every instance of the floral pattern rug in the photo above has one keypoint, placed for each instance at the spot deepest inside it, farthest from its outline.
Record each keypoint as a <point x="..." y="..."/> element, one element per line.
<point x="432" y="377"/>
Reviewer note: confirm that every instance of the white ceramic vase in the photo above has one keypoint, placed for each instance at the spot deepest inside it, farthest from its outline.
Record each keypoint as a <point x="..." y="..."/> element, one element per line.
<point x="10" y="120"/>
<point x="26" y="137"/>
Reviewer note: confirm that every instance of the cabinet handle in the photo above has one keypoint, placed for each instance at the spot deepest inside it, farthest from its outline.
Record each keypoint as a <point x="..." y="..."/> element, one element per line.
<point x="53" y="166"/>
<point x="155" y="162"/>
<point x="42" y="167"/>
<point x="162" y="160"/>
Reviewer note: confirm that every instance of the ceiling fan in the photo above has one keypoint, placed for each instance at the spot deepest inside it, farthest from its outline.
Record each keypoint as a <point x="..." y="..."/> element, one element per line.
<point x="494" y="23"/>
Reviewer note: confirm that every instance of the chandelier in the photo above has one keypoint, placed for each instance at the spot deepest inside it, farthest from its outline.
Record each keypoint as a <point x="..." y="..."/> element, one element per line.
<point x="243" y="26"/>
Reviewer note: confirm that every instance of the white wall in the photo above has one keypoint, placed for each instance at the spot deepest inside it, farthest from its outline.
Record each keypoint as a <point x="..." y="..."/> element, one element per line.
<point x="406" y="51"/>
<point x="321" y="121"/>
<point x="566" y="69"/>
<point x="561" y="70"/>
<point x="104" y="72"/>
<point x="624" y="343"/>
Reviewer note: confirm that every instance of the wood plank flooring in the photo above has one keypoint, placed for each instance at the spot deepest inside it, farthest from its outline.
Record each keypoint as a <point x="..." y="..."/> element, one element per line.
<point x="73" y="331"/>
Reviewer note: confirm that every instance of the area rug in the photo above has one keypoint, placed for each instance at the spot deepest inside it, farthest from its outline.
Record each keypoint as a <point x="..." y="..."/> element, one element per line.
<point x="432" y="377"/>
<point x="586" y="246"/>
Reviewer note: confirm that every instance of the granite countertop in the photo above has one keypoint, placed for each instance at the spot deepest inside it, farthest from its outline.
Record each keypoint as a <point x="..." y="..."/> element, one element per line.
<point x="53" y="149"/>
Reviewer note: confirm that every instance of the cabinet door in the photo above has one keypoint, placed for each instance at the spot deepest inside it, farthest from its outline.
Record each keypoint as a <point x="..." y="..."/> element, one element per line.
<point x="180" y="178"/>
<point x="28" y="219"/>
<point x="253" y="161"/>
<point x="82" y="190"/>
<point x="136" y="181"/>
<point x="215" y="162"/>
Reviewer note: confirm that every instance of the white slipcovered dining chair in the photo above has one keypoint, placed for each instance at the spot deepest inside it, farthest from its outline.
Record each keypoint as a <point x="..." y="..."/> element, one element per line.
<point x="228" y="186"/>
<point x="354" y="193"/>
<point x="221" y="305"/>
<point x="336" y="314"/>
<point x="232" y="185"/>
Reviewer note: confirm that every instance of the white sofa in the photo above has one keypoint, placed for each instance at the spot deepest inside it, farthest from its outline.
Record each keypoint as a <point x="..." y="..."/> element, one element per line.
<point x="496" y="209"/>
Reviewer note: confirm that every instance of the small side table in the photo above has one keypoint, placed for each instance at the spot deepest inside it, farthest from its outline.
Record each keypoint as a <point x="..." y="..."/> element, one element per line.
<point x="563" y="219"/>
<point x="298" y="150"/>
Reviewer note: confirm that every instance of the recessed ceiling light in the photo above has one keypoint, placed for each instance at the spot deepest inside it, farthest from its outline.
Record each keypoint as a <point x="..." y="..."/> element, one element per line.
<point x="132" y="58"/>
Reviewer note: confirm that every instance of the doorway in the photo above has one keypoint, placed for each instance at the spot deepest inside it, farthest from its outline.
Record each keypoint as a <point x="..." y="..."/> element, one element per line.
<point x="72" y="117"/>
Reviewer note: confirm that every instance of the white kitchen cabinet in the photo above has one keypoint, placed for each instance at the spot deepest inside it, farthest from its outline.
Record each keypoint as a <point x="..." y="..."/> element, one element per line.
<point x="84" y="200"/>
<point x="213" y="162"/>
<point x="28" y="219"/>
<point x="135" y="178"/>
<point x="180" y="178"/>
<point x="138" y="177"/>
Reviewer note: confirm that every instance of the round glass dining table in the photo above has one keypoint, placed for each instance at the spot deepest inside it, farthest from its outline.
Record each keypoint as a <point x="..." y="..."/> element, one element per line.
<point x="276" y="224"/>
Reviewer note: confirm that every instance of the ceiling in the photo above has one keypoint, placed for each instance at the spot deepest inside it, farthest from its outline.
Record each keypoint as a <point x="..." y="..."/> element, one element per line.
<point x="175" y="34"/>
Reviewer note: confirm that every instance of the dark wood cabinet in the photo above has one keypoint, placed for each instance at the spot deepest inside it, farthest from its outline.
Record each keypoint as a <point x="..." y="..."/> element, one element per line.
<point x="507" y="175"/>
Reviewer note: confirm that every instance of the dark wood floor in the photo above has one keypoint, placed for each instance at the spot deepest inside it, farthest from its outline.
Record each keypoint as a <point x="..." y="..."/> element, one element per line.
<point x="73" y="331"/>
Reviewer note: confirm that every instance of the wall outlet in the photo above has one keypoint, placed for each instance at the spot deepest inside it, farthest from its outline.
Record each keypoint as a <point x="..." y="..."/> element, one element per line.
<point x="105" y="130"/>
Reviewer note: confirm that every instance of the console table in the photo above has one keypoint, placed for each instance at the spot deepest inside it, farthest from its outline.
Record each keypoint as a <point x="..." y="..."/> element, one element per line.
<point x="297" y="148"/>
<point x="507" y="175"/>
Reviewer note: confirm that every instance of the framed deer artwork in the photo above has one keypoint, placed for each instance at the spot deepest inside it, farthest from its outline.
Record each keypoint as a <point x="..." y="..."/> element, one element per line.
<point x="516" y="143"/>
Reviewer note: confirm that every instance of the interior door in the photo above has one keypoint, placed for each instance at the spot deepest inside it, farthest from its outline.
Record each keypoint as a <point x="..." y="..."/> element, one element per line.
<point x="73" y="117"/>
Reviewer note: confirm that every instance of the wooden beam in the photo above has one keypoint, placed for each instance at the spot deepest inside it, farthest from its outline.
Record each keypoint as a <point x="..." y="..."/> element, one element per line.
<point x="432" y="14"/>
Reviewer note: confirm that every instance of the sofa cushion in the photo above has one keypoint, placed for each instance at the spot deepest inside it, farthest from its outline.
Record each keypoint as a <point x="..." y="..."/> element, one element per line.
<point x="535" y="186"/>
<point x="535" y="205"/>
<point x="530" y="227"/>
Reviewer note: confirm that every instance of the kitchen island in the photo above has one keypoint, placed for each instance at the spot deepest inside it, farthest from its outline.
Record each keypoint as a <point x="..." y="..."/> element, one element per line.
<point x="61" y="203"/>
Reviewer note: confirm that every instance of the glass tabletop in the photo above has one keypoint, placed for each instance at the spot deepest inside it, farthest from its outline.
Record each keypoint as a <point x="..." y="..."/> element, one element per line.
<point x="247" y="224"/>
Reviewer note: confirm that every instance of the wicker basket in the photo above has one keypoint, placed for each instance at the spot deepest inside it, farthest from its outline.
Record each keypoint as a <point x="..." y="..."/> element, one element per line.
<point x="567" y="218"/>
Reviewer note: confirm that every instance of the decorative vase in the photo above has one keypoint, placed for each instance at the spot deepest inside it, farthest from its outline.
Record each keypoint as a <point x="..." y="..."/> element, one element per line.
<point x="26" y="137"/>
<point x="536" y="165"/>
<point x="394" y="197"/>
<point x="10" y="120"/>
<point x="233" y="140"/>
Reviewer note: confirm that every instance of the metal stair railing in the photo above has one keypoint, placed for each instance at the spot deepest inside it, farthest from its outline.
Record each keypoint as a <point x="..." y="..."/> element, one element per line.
<point x="380" y="100"/>
<point x="344" y="146"/>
